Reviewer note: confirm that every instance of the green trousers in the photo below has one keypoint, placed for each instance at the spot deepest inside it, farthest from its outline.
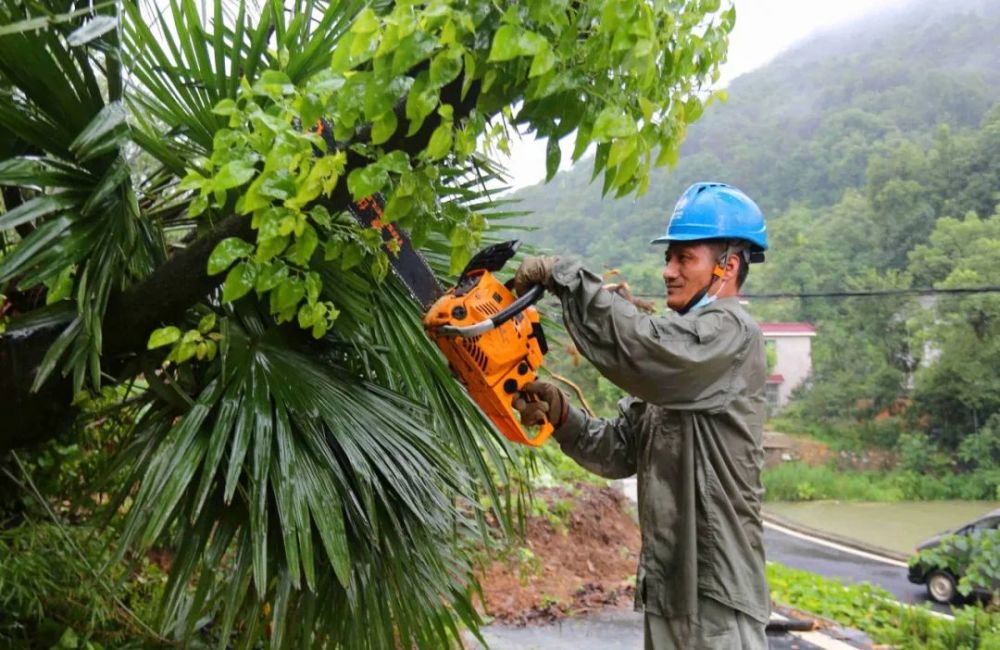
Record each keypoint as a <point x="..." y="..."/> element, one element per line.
<point x="716" y="627"/>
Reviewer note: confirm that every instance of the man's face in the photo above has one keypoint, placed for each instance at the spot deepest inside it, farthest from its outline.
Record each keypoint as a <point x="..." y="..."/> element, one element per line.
<point x="688" y="270"/>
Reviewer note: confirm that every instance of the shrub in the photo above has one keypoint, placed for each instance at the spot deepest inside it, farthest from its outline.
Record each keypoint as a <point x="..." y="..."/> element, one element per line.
<point x="875" y="612"/>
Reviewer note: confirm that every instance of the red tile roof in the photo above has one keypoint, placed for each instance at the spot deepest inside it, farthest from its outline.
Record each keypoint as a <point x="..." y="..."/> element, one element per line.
<point x="787" y="328"/>
<point x="775" y="379"/>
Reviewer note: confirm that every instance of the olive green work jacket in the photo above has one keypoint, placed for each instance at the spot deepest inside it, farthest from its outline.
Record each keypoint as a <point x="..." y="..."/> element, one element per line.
<point x="692" y="433"/>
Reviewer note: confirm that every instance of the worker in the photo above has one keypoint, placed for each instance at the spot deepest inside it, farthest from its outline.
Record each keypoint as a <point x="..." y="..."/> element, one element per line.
<point x="691" y="428"/>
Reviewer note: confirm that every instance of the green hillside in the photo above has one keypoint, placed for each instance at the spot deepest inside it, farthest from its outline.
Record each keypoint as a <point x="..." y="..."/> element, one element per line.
<point x="875" y="153"/>
<point x="803" y="128"/>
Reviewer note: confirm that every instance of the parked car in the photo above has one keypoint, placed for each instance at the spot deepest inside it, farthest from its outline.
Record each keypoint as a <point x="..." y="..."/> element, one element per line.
<point x="942" y="582"/>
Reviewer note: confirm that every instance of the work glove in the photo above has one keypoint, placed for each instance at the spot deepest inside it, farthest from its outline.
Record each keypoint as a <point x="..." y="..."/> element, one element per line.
<point x="534" y="270"/>
<point x="541" y="401"/>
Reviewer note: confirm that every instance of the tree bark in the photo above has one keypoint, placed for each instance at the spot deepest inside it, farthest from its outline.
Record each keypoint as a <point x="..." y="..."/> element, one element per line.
<point x="32" y="418"/>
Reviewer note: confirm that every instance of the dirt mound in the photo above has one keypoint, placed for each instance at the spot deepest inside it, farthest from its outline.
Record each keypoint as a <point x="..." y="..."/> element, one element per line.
<point x="580" y="554"/>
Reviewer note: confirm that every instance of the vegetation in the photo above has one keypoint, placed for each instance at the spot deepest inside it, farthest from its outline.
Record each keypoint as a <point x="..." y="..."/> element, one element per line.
<point x="796" y="481"/>
<point x="865" y="188"/>
<point x="875" y="612"/>
<point x="972" y="556"/>
<point x="174" y="229"/>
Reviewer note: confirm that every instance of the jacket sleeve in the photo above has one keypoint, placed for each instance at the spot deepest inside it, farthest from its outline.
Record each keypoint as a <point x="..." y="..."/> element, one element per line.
<point x="684" y="363"/>
<point x="605" y="446"/>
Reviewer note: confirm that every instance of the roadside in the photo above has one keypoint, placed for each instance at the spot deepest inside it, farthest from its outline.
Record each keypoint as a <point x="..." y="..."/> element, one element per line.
<point x="571" y="584"/>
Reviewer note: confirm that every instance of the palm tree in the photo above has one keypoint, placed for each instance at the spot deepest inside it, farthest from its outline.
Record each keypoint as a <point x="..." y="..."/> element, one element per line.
<point x="321" y="489"/>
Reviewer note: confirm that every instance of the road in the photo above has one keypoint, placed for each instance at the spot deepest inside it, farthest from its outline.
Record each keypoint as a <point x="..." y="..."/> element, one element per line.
<point x="835" y="561"/>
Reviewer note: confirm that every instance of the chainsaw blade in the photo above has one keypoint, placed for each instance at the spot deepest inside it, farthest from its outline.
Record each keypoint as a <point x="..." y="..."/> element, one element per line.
<point x="408" y="265"/>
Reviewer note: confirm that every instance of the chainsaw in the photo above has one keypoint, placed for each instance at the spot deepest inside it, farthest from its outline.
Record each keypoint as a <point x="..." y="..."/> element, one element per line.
<point x="493" y="341"/>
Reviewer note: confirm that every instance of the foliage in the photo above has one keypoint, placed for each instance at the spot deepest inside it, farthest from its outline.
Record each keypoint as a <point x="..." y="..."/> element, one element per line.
<point x="796" y="481"/>
<point x="877" y="613"/>
<point x="974" y="557"/>
<point x="55" y="589"/>
<point x="299" y="445"/>
<point x="864" y="188"/>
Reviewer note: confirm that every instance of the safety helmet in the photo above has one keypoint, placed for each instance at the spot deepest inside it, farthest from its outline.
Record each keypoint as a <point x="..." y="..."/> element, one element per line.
<point x="717" y="211"/>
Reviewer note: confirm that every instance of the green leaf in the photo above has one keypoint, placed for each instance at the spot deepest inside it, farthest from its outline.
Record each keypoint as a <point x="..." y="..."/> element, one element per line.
<point x="612" y="122"/>
<point x="420" y="102"/>
<point x="36" y="208"/>
<point x="233" y="174"/>
<point x="365" y="23"/>
<point x="384" y="127"/>
<point x="163" y="336"/>
<point x="366" y="181"/>
<point x="440" y="142"/>
<point x="553" y="155"/>
<point x="226" y="252"/>
<point x="239" y="282"/>
<point x="446" y="66"/>
<point x="207" y="323"/>
<point x="102" y="135"/>
<point x="226" y="107"/>
<point x="544" y="61"/>
<point x="506" y="43"/>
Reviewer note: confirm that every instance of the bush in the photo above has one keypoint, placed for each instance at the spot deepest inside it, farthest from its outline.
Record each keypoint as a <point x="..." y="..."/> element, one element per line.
<point x="875" y="612"/>
<point x="800" y="482"/>
<point x="52" y="593"/>
<point x="974" y="557"/>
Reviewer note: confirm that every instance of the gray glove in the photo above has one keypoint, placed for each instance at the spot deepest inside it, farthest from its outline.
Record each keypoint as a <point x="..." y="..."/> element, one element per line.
<point x="534" y="270"/>
<point x="541" y="401"/>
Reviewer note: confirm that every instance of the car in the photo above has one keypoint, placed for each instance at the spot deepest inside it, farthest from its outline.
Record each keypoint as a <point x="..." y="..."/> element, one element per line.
<point x="941" y="581"/>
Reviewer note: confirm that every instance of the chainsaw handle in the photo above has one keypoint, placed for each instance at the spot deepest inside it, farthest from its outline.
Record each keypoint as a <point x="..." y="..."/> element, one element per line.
<point x="530" y="297"/>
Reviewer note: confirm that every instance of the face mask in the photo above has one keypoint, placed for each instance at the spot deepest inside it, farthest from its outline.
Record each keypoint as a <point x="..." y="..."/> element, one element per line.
<point x="705" y="301"/>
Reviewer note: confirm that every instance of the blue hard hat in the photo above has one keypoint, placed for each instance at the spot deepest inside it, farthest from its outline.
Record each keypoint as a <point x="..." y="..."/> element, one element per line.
<point x="716" y="211"/>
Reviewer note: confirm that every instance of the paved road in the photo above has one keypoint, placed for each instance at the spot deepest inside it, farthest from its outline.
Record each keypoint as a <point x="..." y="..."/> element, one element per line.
<point x="846" y="564"/>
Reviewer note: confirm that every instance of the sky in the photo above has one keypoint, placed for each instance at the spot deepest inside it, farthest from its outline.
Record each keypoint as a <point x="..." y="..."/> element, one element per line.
<point x="764" y="29"/>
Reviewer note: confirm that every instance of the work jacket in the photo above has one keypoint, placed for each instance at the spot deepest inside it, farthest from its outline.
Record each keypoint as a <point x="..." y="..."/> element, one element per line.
<point x="692" y="433"/>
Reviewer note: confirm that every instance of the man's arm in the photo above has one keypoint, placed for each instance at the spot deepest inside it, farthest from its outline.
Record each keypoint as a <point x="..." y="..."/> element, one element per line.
<point x="605" y="446"/>
<point x="682" y="363"/>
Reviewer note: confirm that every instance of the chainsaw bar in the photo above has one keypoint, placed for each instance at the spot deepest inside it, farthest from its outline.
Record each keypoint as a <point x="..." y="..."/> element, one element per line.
<point x="408" y="265"/>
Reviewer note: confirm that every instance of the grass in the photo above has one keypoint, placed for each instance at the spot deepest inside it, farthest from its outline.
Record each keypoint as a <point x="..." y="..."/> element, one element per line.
<point x="797" y="481"/>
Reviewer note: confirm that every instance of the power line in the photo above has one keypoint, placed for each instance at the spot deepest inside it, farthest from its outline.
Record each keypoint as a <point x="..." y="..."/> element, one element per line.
<point x="863" y="293"/>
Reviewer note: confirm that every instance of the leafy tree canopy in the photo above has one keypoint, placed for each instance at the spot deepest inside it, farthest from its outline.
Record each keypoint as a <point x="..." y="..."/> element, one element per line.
<point x="174" y="232"/>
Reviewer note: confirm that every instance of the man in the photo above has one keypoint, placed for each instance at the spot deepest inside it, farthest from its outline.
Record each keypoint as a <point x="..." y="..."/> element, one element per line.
<point x="691" y="429"/>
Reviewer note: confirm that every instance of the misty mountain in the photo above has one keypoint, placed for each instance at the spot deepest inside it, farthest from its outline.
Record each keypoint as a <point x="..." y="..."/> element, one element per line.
<point x="802" y="129"/>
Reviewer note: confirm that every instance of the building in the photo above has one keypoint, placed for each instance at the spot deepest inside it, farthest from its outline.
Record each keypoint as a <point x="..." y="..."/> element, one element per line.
<point x="789" y="357"/>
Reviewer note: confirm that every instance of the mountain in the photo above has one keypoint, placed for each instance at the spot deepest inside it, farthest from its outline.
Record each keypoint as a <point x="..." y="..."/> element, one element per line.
<point x="803" y="129"/>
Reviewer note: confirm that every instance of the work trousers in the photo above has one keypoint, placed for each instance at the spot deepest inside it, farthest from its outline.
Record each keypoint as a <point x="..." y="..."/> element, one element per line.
<point x="716" y="627"/>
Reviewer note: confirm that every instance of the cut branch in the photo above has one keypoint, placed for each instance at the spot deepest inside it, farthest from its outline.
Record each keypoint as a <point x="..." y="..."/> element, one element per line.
<point x="161" y="298"/>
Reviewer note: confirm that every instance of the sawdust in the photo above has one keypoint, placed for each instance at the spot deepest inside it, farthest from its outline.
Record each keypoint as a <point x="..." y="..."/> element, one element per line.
<point x="579" y="555"/>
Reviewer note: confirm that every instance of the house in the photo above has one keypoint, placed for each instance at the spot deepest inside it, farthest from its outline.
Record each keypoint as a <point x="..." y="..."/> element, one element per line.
<point x="789" y="359"/>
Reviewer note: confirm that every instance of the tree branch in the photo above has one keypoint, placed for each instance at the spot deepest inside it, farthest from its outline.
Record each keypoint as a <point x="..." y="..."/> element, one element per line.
<point x="161" y="298"/>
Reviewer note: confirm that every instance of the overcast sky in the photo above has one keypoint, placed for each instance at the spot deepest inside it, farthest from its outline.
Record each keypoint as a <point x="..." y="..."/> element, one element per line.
<point x="764" y="29"/>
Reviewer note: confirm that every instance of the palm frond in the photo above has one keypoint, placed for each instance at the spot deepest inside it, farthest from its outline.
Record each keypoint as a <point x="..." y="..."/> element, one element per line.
<point x="303" y="474"/>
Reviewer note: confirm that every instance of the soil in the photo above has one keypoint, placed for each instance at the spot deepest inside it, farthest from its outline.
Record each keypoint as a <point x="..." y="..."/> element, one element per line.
<point x="580" y="556"/>
<point x="784" y="448"/>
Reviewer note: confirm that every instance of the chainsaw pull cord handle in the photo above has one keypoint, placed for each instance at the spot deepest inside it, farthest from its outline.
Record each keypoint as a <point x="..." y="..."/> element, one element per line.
<point x="530" y="297"/>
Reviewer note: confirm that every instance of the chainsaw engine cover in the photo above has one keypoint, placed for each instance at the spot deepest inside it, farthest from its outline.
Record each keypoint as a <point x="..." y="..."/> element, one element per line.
<point x="497" y="364"/>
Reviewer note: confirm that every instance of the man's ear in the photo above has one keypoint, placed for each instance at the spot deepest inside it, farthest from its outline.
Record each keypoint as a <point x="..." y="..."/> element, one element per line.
<point x="731" y="272"/>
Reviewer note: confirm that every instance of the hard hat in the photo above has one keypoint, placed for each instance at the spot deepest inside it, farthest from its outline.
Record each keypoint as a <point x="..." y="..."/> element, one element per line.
<point x="716" y="211"/>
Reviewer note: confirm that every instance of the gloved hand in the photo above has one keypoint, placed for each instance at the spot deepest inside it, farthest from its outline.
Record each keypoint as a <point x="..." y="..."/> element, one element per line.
<point x="533" y="270"/>
<point x="542" y="401"/>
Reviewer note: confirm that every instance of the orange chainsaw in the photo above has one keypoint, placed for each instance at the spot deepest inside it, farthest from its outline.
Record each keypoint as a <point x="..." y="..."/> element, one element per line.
<point x="493" y="342"/>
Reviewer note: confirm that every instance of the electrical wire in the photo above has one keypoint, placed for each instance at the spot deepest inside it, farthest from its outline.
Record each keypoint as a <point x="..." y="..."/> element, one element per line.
<point x="861" y="293"/>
